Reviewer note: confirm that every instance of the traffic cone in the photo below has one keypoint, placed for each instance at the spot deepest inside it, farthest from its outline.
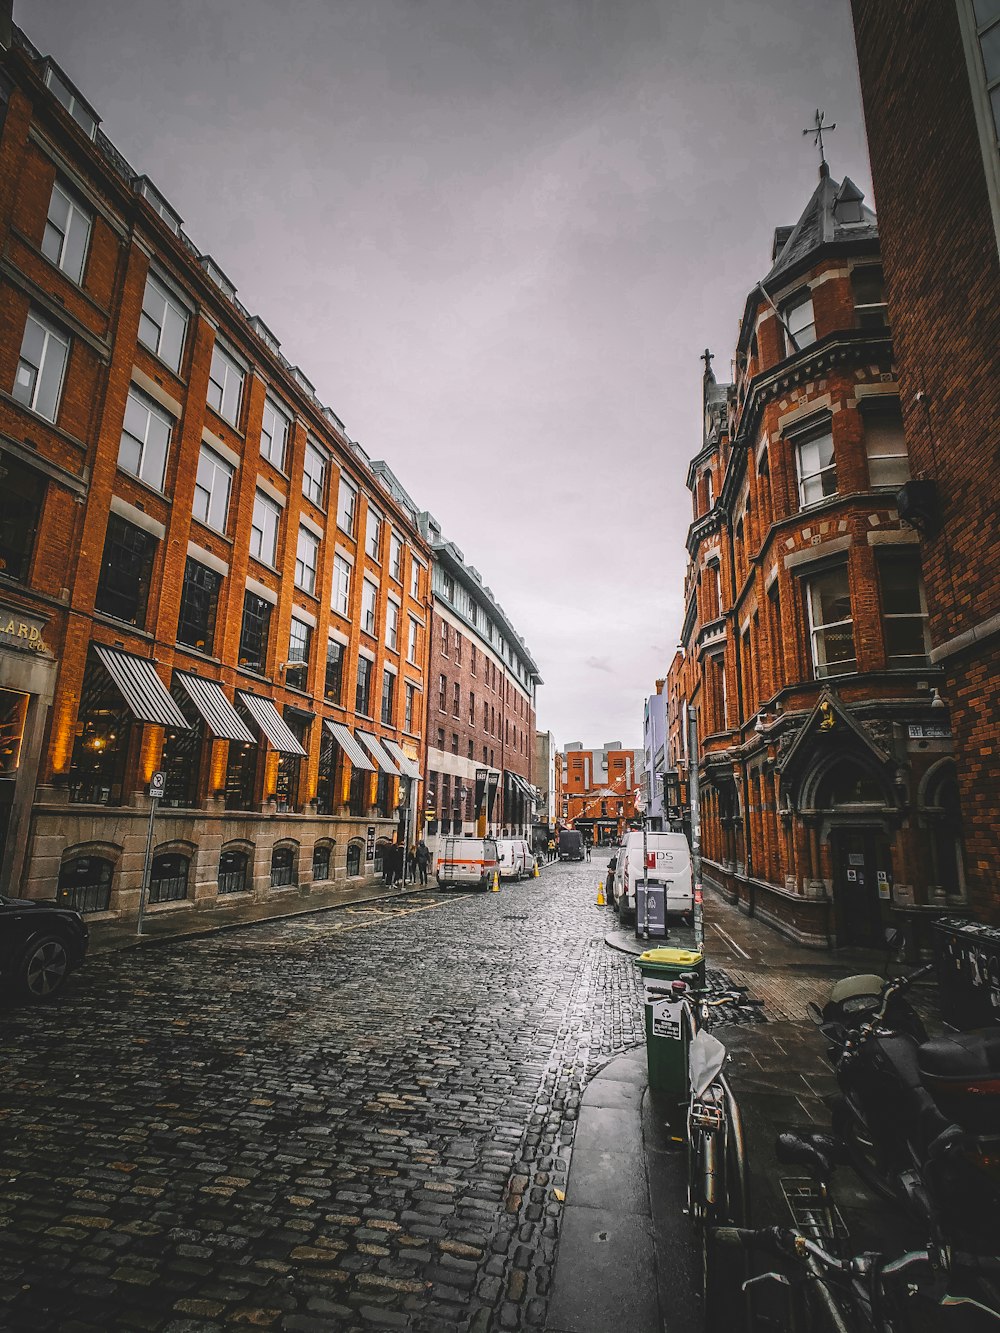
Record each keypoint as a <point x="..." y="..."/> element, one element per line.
<point x="495" y="886"/>
<point x="600" y="894"/>
<point x="536" y="870"/>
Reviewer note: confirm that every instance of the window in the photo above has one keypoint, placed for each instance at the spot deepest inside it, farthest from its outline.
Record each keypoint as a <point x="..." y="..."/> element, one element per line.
<point x="486" y="716"/>
<point x="306" y="560"/>
<point x="333" y="680"/>
<point x="39" y="377"/>
<point x="340" y="600"/>
<point x="454" y="742"/>
<point x="314" y="474"/>
<point x="299" y="643"/>
<point x="254" y="632"/>
<point x="816" y="467"/>
<point x="163" y="323"/>
<point x="469" y="751"/>
<point x="355" y="848"/>
<point x="448" y="585"/>
<point x="442" y="693"/>
<point x="444" y="638"/>
<point x="181" y="758"/>
<point x="67" y="231"/>
<point x="145" y="439"/>
<point x="264" y="529"/>
<point x="473" y="656"/>
<point x="472" y="709"/>
<point x="830" y="623"/>
<point x="411" y="642"/>
<point x="274" y="431"/>
<point x="458" y="647"/>
<point x="388" y="698"/>
<point x="409" y="711"/>
<point x="282" y="867"/>
<point x="85" y="884"/>
<point x="22" y="493"/>
<point x="199" y="603"/>
<point x="347" y="505"/>
<point x="800" y="323"/>
<point x="321" y="861"/>
<point x="373" y="533"/>
<point x="440" y="738"/>
<point x="904" y="611"/>
<point x="168" y="878"/>
<point x="225" y="385"/>
<point x="885" y="444"/>
<point x="456" y="703"/>
<point x="63" y="91"/>
<point x="211" y="489"/>
<point x="396" y="557"/>
<point x="416" y="570"/>
<point x="126" y="569"/>
<point x="369" y="605"/>
<point x="869" y="296"/>
<point x="102" y="742"/>
<point x="392" y="624"/>
<point x="233" y="868"/>
<point x="987" y="19"/>
<point x="363" y="693"/>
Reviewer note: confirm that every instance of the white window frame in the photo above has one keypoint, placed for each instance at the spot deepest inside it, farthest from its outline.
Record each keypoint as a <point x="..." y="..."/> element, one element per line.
<point x="373" y="534"/>
<point x="799" y="301"/>
<point x="29" y="378"/>
<point x="347" y="505"/>
<point x="409" y="706"/>
<point x="161" y="318"/>
<point x="313" y="483"/>
<point x="340" y="592"/>
<point x="818" y="629"/>
<point x="153" y="414"/>
<point x="416" y="571"/>
<point x="807" y="479"/>
<point x="884" y="462"/>
<point x="306" y="559"/>
<point x="266" y="522"/>
<point x="396" y="556"/>
<point x="392" y="624"/>
<point x="225" y="371"/>
<point x="275" y="431"/>
<point x="206" y="484"/>
<point x="369" y="606"/>
<point x="61" y="238"/>
<point x="412" y="640"/>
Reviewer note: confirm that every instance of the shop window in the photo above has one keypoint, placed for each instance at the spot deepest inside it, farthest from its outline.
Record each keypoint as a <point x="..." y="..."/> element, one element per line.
<point x="126" y="571"/>
<point x="384" y="794"/>
<point x="330" y="777"/>
<point x="322" y="854"/>
<point x="360" y="793"/>
<point x="355" y="849"/>
<point x="904" y="611"/>
<point x="234" y="868"/>
<point x="283" y="866"/>
<point x="254" y="632"/>
<point x="100" y="749"/>
<point x="168" y="880"/>
<point x="22" y="494"/>
<point x="85" y="884"/>
<point x="286" y="791"/>
<point x="182" y="756"/>
<point x="199" y="604"/>
<point x="241" y="776"/>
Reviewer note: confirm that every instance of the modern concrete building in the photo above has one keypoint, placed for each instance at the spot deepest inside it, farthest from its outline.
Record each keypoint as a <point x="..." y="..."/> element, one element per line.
<point x="654" y="740"/>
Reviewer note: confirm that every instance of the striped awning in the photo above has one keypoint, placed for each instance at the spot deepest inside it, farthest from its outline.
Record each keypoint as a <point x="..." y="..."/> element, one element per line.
<point x="349" y="745"/>
<point x="271" y="723"/>
<point x="407" y="766"/>
<point x="523" y="786"/>
<point x="147" y="697"/>
<point x="223" y="720"/>
<point x="380" y="756"/>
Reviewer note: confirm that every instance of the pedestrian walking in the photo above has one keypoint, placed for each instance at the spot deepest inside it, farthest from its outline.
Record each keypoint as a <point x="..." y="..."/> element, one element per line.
<point x="389" y="863"/>
<point x="550" y="850"/>
<point x="411" y="865"/>
<point x="588" y="845"/>
<point x="423" y="856"/>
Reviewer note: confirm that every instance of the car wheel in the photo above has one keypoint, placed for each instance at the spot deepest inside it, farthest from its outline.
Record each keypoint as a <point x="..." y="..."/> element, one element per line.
<point x="43" y="969"/>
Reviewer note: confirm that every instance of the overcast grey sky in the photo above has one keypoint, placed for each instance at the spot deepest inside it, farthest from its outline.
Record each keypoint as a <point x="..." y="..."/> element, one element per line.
<point x="496" y="235"/>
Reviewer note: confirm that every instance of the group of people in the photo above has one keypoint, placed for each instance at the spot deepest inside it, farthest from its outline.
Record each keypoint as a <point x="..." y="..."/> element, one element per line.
<point x="406" y="866"/>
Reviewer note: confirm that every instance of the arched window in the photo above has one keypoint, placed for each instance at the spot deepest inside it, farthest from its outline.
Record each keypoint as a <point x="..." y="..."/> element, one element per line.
<point x="355" y="849"/>
<point x="282" y="866"/>
<point x="168" y="882"/>
<point x="85" y="884"/>
<point x="944" y="819"/>
<point x="322" y="854"/>
<point x="233" y="867"/>
<point x="848" y="783"/>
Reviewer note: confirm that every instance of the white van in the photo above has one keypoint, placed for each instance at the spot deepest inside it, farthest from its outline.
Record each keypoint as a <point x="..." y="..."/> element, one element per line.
<point x="516" y="860"/>
<point x="467" y="863"/>
<point x="668" y="862"/>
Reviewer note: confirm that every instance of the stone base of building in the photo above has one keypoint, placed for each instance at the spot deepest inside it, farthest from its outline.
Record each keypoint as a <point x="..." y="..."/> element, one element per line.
<point x="806" y="920"/>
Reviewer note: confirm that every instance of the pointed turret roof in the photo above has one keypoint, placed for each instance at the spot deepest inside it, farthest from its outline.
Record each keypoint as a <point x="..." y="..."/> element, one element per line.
<point x="835" y="212"/>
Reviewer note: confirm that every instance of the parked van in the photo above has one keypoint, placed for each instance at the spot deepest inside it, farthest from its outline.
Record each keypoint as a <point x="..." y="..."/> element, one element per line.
<point x="467" y="863"/>
<point x="668" y="862"/>
<point x="516" y="859"/>
<point x="570" y="845"/>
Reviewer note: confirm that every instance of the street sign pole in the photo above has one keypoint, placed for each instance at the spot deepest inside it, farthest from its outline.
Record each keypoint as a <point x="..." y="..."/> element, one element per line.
<point x="157" y="784"/>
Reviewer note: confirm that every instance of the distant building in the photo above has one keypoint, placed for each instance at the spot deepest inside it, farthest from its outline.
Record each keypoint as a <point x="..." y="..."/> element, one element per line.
<point x="654" y="739"/>
<point x="599" y="789"/>
<point x="930" y="80"/>
<point x="545" y="771"/>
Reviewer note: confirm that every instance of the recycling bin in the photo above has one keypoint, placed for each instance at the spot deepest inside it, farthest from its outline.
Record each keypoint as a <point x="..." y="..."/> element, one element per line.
<point x="967" y="960"/>
<point x="666" y="1022"/>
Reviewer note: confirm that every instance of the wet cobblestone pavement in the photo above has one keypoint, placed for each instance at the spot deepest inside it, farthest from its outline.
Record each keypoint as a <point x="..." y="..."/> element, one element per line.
<point x="355" y="1120"/>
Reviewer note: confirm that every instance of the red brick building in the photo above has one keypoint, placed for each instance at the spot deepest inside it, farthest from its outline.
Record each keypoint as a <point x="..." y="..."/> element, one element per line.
<point x="598" y="790"/>
<point x="930" y="80"/>
<point x="824" y="750"/>
<point x="200" y="573"/>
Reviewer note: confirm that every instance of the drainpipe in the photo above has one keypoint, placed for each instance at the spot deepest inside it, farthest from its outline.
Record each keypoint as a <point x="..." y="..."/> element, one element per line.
<point x="738" y="652"/>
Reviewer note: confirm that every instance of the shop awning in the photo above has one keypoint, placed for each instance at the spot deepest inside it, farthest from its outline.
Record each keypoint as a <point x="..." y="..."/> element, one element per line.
<point x="271" y="723"/>
<point x="381" y="757"/>
<point x="223" y="720"/>
<point x="521" y="785"/>
<point x="349" y="745"/>
<point x="147" y="697"/>
<point x="407" y="766"/>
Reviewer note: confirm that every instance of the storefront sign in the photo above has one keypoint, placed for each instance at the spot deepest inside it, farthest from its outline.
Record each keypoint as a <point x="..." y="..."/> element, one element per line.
<point x="928" y="731"/>
<point x="370" y="843"/>
<point x="20" y="631"/>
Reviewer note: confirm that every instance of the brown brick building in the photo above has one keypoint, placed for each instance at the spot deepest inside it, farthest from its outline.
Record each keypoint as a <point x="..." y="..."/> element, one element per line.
<point x="598" y="790"/>
<point x="824" y="751"/>
<point x="930" y="80"/>
<point x="200" y="573"/>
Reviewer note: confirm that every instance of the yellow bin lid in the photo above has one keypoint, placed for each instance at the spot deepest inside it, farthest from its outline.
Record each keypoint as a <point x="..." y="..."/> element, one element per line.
<point x="671" y="957"/>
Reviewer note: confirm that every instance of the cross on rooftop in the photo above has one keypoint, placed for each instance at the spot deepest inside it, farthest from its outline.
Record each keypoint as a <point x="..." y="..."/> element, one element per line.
<point x="708" y="358"/>
<point x="817" y="130"/>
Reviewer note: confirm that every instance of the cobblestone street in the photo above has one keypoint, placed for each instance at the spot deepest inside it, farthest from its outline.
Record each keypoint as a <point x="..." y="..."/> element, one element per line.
<point x="358" y="1119"/>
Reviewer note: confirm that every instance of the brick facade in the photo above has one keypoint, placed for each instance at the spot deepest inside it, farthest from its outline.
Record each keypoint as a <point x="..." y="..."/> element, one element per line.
<point x="598" y="790"/>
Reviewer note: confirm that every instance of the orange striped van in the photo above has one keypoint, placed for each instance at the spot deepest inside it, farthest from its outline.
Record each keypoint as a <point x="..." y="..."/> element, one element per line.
<point x="467" y="863"/>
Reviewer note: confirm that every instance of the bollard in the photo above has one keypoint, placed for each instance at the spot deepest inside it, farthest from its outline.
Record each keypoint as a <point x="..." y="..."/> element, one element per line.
<point x="600" y="894"/>
<point x="535" y="869"/>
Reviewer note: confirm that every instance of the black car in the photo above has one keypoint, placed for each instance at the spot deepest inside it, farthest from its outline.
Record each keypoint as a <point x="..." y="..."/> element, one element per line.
<point x="40" y="945"/>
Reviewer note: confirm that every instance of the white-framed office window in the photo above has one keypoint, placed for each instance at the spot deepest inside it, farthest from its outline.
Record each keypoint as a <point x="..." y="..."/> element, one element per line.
<point x="225" y="385"/>
<point x="212" y="488"/>
<point x="347" y="505"/>
<point x="264" y="529"/>
<point x="392" y="624"/>
<point x="314" y="474"/>
<point x="340" y="599"/>
<point x="145" y="439"/>
<point x="41" y="366"/>
<point x="369" y="605"/>
<point x="831" y="624"/>
<point x="306" y="560"/>
<point x="67" y="233"/>
<point x="800" y="322"/>
<point x="815" y="466"/>
<point x="163" y="323"/>
<point x="904" y="610"/>
<point x="412" y="640"/>
<point x="885" y="444"/>
<point x="396" y="556"/>
<point x="275" y="428"/>
<point x="416" y="573"/>
<point x="373" y="534"/>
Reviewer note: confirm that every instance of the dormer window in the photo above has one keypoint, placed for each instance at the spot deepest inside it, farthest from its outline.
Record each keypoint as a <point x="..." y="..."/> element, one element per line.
<point x="799" y="321"/>
<point x="63" y="91"/>
<point x="158" y="204"/>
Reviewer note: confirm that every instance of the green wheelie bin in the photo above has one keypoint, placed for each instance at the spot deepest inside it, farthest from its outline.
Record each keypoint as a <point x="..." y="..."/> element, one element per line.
<point x="666" y="1023"/>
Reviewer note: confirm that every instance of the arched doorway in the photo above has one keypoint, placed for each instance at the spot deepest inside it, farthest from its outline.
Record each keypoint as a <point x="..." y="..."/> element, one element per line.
<point x="856" y="804"/>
